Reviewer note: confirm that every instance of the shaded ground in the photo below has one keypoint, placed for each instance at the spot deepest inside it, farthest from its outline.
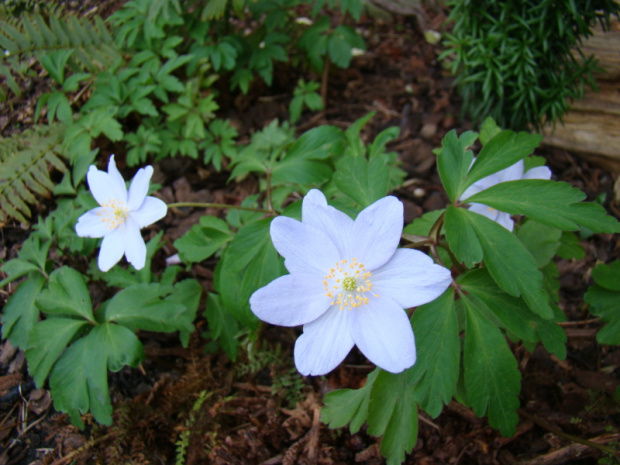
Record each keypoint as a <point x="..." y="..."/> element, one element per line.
<point x="188" y="406"/>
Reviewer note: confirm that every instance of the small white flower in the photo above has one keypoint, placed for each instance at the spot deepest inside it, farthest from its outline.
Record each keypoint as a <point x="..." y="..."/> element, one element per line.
<point x="304" y="21"/>
<point x="121" y="215"/>
<point x="512" y="173"/>
<point x="348" y="285"/>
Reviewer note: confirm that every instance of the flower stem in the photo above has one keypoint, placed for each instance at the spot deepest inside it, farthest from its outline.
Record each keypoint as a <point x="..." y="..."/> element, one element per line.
<point x="217" y="205"/>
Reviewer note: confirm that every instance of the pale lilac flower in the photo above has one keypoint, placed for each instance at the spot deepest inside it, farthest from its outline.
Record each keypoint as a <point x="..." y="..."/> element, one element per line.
<point x="121" y="215"/>
<point x="512" y="173"/>
<point x="348" y="285"/>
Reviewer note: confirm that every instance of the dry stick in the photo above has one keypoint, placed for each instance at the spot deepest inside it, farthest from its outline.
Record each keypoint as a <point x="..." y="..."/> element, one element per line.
<point x="84" y="448"/>
<point x="558" y="432"/>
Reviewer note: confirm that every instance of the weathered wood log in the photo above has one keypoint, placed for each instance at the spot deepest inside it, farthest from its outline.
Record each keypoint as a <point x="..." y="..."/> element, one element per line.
<point x="592" y="126"/>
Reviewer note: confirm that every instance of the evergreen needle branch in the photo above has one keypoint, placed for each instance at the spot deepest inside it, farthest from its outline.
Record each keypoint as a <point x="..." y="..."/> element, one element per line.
<point x="217" y="205"/>
<point x="558" y="432"/>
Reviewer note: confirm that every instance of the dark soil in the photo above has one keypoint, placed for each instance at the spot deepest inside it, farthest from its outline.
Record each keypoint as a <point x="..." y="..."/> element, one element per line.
<point x="195" y="406"/>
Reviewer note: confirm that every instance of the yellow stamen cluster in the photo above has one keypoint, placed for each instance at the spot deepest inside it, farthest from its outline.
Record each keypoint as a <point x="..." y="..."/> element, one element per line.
<point x="347" y="284"/>
<point x="114" y="214"/>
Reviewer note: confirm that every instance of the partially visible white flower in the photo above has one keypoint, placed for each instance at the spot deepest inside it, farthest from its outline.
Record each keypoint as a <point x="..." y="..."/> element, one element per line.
<point x="357" y="52"/>
<point x="512" y="173"/>
<point x="173" y="260"/>
<point x="304" y="21"/>
<point x="348" y="285"/>
<point x="121" y="215"/>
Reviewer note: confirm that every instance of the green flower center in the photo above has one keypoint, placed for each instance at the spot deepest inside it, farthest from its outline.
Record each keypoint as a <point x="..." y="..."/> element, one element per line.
<point x="348" y="284"/>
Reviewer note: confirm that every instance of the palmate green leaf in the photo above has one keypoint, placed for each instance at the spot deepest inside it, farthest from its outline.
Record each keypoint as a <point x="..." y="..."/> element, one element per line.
<point x="492" y="377"/>
<point x="501" y="151"/>
<point x="188" y="293"/>
<point x="542" y="241"/>
<point x="511" y="313"/>
<point x="31" y="259"/>
<point x="393" y="414"/>
<point x="44" y="350"/>
<point x="555" y="204"/>
<point x="508" y="261"/>
<point x="608" y="276"/>
<point x="348" y="406"/>
<point x="203" y="239"/>
<point x="570" y="247"/>
<point x="462" y="237"/>
<point x="454" y="160"/>
<point x="79" y="379"/>
<point x="604" y="300"/>
<point x="20" y="313"/>
<point x="149" y="307"/>
<point x="363" y="181"/>
<point x="249" y="263"/>
<point x="222" y="325"/>
<point x="66" y="295"/>
<point x="436" y="371"/>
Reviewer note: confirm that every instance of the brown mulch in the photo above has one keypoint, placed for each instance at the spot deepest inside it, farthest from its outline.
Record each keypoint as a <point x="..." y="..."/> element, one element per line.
<point x="195" y="406"/>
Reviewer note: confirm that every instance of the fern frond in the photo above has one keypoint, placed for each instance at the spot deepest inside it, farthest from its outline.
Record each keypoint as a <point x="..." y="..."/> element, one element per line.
<point x="25" y="163"/>
<point x="33" y="36"/>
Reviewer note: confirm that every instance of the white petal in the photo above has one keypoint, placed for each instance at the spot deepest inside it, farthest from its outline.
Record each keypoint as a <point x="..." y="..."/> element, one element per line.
<point x="151" y="210"/>
<point x="334" y="223"/>
<point x="290" y="300"/>
<point x="376" y="232"/>
<point x="539" y="172"/>
<point x="511" y="173"/>
<point x="112" y="249"/>
<point x="106" y="186"/>
<point x="305" y="248"/>
<point x="90" y="224"/>
<point x="382" y="331"/>
<point x="505" y="220"/>
<point x="139" y="187"/>
<point x="135" y="248"/>
<point x="472" y="190"/>
<point x="410" y="278"/>
<point x="324" y="343"/>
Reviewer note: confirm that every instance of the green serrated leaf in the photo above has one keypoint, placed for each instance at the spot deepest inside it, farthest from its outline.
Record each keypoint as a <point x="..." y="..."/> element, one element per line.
<point x="503" y="150"/>
<point x="348" y="406"/>
<point x="605" y="303"/>
<point x="492" y="377"/>
<point x="203" y="239"/>
<point x="552" y="203"/>
<point x="454" y="161"/>
<point x="188" y="293"/>
<point x="249" y="263"/>
<point x="66" y="295"/>
<point x="608" y="276"/>
<point x="436" y="371"/>
<point x="20" y="313"/>
<point x="462" y="237"/>
<point x="363" y="181"/>
<point x="393" y="414"/>
<point x="508" y="261"/>
<point x="44" y="350"/>
<point x="542" y="241"/>
<point x="223" y="325"/>
<point x="511" y="313"/>
<point x="79" y="379"/>
<point x="570" y="247"/>
<point x="144" y="306"/>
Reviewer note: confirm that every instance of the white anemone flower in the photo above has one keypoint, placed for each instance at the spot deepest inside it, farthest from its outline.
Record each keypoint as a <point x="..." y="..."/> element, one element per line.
<point x="121" y="215"/>
<point x="512" y="173"/>
<point x="348" y="285"/>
